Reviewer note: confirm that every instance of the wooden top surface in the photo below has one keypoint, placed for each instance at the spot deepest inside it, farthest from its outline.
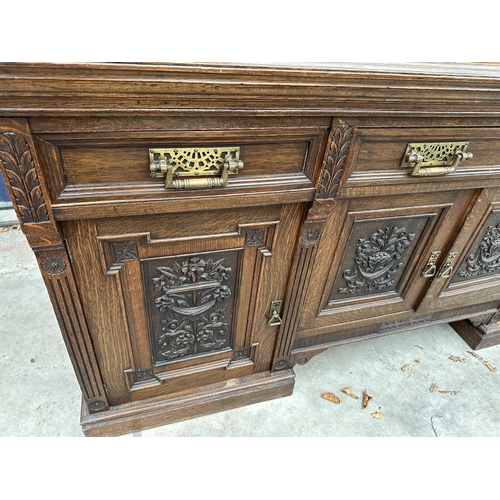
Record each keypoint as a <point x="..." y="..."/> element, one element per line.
<point x="305" y="88"/>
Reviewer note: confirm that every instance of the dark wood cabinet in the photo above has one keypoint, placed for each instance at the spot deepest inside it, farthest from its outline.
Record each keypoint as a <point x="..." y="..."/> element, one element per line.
<point x="200" y="236"/>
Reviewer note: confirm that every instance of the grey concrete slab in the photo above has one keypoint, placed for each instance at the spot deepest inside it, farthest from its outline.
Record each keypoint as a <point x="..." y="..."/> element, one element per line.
<point x="39" y="394"/>
<point x="404" y="398"/>
<point x="7" y="216"/>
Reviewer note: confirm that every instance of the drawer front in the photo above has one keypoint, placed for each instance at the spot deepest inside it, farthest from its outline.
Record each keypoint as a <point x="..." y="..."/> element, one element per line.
<point x="377" y="156"/>
<point x="97" y="167"/>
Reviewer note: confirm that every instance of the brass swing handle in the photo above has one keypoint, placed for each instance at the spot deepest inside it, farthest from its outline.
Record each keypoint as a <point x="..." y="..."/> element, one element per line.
<point x="202" y="182"/>
<point x="195" y="168"/>
<point x="418" y="171"/>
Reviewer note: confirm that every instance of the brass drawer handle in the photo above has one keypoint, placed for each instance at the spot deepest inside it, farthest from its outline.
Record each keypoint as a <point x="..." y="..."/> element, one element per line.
<point x="434" y="159"/>
<point x="195" y="168"/>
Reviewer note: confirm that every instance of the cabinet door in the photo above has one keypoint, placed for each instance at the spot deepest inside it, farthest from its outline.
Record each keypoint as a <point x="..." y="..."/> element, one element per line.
<point x="371" y="256"/>
<point x="182" y="300"/>
<point x="471" y="274"/>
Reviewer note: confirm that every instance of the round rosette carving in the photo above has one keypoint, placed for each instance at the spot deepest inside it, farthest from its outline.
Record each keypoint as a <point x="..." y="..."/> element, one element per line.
<point x="53" y="265"/>
<point x="281" y="364"/>
<point x="309" y="236"/>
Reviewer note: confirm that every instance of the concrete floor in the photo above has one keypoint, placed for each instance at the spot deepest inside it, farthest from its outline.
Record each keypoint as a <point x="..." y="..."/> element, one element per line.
<point x="39" y="394"/>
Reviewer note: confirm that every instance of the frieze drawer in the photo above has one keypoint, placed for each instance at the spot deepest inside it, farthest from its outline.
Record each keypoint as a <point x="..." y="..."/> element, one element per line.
<point x="115" y="164"/>
<point x="461" y="156"/>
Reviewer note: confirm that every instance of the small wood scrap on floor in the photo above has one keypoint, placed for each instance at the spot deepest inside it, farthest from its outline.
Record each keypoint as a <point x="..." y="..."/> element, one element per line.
<point x="347" y="390"/>
<point x="475" y="354"/>
<point x="489" y="366"/>
<point x="366" y="398"/>
<point x="330" y="397"/>
<point x="485" y="363"/>
<point x="4" y="229"/>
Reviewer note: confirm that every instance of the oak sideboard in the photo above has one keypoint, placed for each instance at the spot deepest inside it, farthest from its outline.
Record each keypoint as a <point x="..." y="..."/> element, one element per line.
<point x="202" y="228"/>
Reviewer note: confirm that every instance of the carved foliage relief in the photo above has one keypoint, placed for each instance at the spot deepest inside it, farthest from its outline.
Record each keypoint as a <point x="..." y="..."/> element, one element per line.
<point x="377" y="260"/>
<point x="193" y="305"/>
<point x="336" y="160"/>
<point x="485" y="259"/>
<point x="376" y="263"/>
<point x="19" y="167"/>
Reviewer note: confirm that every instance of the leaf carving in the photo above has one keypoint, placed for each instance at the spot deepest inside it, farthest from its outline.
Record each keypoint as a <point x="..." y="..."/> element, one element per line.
<point x="17" y="160"/>
<point x="335" y="162"/>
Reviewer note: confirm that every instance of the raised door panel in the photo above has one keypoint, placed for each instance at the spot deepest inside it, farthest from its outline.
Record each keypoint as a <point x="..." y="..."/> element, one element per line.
<point x="472" y="275"/>
<point x="371" y="256"/>
<point x="187" y="298"/>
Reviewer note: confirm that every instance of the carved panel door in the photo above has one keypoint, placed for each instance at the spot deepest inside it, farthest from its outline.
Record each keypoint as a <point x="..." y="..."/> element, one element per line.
<point x="375" y="250"/>
<point x="179" y="300"/>
<point x="472" y="275"/>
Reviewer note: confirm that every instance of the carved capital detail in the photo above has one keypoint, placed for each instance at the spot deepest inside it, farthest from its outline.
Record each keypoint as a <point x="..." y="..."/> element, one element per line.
<point x="144" y="375"/>
<point x="336" y="160"/>
<point x="125" y="250"/>
<point x="22" y="178"/>
<point x="241" y="354"/>
<point x="254" y="237"/>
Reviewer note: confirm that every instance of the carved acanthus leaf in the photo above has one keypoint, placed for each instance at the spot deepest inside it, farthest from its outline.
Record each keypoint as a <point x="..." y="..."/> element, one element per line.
<point x="21" y="175"/>
<point x="335" y="162"/>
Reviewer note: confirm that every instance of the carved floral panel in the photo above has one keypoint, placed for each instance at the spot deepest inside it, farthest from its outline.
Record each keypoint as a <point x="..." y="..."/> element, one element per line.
<point x="376" y="256"/>
<point x="483" y="259"/>
<point x="191" y="302"/>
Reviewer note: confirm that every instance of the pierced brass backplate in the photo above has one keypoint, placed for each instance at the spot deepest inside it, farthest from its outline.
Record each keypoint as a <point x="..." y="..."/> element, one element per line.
<point x="274" y="313"/>
<point x="434" y="153"/>
<point x="195" y="168"/>
<point x="434" y="158"/>
<point x="187" y="162"/>
<point x="447" y="267"/>
<point x="430" y="268"/>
